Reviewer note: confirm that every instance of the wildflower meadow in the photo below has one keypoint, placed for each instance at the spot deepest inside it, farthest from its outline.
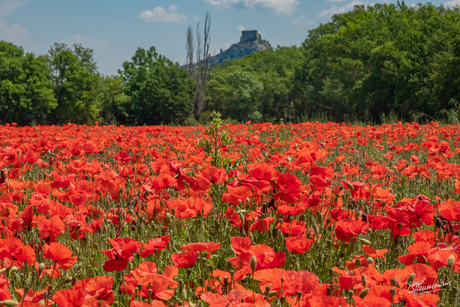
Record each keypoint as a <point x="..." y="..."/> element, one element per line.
<point x="311" y="214"/>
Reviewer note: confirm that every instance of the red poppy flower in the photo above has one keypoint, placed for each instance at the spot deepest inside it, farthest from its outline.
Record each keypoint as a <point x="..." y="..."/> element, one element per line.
<point x="60" y="254"/>
<point x="184" y="260"/>
<point x="374" y="253"/>
<point x="16" y="251"/>
<point x="290" y="186"/>
<point x="298" y="244"/>
<point x="371" y="301"/>
<point x="299" y="281"/>
<point x="270" y="277"/>
<point x="347" y="230"/>
<point x="236" y="195"/>
<point x="262" y="225"/>
<point x="123" y="251"/>
<point x="328" y="301"/>
<point x="158" y="244"/>
<point x="50" y="229"/>
<point x="450" y="210"/>
<point x="217" y="300"/>
<point x="70" y="297"/>
<point x="159" y="286"/>
<point x="262" y="171"/>
<point x="416" y="250"/>
<point x="201" y="247"/>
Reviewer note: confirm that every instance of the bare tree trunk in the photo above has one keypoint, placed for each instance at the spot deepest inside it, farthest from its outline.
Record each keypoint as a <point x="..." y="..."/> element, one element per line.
<point x="203" y="57"/>
<point x="190" y="48"/>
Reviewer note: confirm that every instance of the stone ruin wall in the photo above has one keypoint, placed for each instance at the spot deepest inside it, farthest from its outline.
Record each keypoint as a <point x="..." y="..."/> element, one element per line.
<point x="248" y="36"/>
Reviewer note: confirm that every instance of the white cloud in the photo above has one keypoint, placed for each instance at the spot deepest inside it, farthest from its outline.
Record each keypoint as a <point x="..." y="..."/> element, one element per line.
<point x="17" y="35"/>
<point x="302" y="21"/>
<point x="9" y="6"/>
<point x="452" y="3"/>
<point x="241" y="28"/>
<point x="280" y="6"/>
<point x="335" y="0"/>
<point x="339" y="10"/>
<point x="160" y="14"/>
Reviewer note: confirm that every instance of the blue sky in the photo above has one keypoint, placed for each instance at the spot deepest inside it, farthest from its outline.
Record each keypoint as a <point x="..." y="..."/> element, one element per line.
<point x="114" y="29"/>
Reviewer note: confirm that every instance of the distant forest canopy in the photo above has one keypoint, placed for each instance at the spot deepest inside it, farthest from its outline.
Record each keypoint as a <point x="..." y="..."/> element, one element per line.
<point x="377" y="63"/>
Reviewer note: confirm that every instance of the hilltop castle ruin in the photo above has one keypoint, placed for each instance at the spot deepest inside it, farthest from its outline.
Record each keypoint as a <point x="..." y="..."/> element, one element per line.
<point x="250" y="41"/>
<point x="249" y="36"/>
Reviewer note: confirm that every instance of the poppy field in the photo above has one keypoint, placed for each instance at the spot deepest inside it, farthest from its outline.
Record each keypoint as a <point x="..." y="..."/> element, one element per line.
<point x="259" y="215"/>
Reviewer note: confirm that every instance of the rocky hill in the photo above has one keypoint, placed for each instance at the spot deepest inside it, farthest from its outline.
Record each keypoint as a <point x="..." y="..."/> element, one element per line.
<point x="250" y="42"/>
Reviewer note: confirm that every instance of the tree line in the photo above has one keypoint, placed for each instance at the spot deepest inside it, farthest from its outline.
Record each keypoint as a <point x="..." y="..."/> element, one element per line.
<point x="363" y="64"/>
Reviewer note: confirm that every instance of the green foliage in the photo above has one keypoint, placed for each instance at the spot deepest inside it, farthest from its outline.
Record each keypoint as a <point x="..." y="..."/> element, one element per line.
<point x="113" y="100"/>
<point x="159" y="90"/>
<point x="256" y="87"/>
<point x="26" y="93"/>
<point x="386" y="57"/>
<point x="238" y="92"/>
<point x="76" y="84"/>
<point x="217" y="138"/>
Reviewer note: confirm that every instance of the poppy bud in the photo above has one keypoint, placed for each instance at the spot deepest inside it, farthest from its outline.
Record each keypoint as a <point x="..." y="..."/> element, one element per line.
<point x="253" y="263"/>
<point x="242" y="218"/>
<point x="350" y="186"/>
<point x="267" y="290"/>
<point x="367" y="242"/>
<point x="358" y="262"/>
<point x="14" y="269"/>
<point x="41" y="302"/>
<point x="440" y="233"/>
<point x="364" y="280"/>
<point x="251" y="236"/>
<point x="370" y="260"/>
<point x="392" y="294"/>
<point x="150" y="295"/>
<point x="410" y="279"/>
<point x="364" y="293"/>
<point x="450" y="261"/>
<point x="167" y="219"/>
<point x="272" y="293"/>
<point x="9" y="303"/>
<point x="393" y="282"/>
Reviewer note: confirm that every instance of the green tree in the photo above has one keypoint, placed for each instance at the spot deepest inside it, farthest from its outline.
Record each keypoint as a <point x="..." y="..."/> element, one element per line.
<point x="272" y="69"/>
<point x="76" y="84"/>
<point x="159" y="91"/>
<point x="113" y="100"/>
<point x="26" y="94"/>
<point x="235" y="94"/>
<point x="380" y="59"/>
